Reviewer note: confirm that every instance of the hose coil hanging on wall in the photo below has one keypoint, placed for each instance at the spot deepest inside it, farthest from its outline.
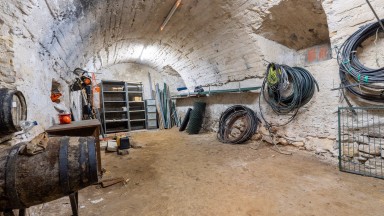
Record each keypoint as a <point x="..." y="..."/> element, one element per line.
<point x="286" y="89"/>
<point x="355" y="77"/>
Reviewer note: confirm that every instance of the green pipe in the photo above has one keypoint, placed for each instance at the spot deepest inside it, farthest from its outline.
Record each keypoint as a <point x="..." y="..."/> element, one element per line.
<point x="218" y="91"/>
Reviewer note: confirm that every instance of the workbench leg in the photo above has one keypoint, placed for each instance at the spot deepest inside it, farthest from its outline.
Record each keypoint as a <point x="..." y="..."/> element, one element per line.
<point x="74" y="198"/>
<point x="8" y="212"/>
<point x="21" y="212"/>
<point x="96" y="134"/>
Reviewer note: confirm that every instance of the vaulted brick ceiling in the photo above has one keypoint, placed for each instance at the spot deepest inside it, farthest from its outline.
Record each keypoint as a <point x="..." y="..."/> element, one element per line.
<point x="205" y="41"/>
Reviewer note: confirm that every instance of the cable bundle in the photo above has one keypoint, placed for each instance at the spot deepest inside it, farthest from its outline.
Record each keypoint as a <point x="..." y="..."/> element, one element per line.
<point x="184" y="124"/>
<point x="240" y="117"/>
<point x="286" y="89"/>
<point x="196" y="118"/>
<point x="356" y="77"/>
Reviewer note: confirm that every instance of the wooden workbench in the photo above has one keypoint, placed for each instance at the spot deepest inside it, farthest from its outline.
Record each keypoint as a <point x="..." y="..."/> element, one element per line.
<point x="80" y="129"/>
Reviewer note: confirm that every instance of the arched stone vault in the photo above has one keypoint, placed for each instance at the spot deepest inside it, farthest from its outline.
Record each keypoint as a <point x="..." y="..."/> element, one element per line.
<point x="207" y="42"/>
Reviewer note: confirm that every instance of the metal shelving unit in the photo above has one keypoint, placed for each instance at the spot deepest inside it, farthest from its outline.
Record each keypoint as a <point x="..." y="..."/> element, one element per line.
<point x="123" y="108"/>
<point x="150" y="106"/>
<point x="115" y="106"/>
<point x="136" y="111"/>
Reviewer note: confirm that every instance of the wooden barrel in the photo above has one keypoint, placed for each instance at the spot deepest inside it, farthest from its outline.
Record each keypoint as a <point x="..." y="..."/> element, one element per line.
<point x="13" y="110"/>
<point x="66" y="166"/>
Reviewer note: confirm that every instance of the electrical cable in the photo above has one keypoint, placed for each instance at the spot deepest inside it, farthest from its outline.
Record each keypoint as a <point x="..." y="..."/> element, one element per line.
<point x="184" y="124"/>
<point x="361" y="81"/>
<point x="240" y="117"/>
<point x="196" y="118"/>
<point x="286" y="89"/>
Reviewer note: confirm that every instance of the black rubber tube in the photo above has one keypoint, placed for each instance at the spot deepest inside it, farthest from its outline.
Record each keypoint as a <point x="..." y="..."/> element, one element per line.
<point x="360" y="80"/>
<point x="230" y="116"/>
<point x="184" y="124"/>
<point x="299" y="83"/>
<point x="196" y="120"/>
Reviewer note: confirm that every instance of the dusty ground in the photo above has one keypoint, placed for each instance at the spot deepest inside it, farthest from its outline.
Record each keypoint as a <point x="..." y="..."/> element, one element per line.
<point x="177" y="174"/>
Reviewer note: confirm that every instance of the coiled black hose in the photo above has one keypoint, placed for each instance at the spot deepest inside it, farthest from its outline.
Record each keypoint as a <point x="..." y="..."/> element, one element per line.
<point x="355" y="77"/>
<point x="184" y="124"/>
<point x="228" y="120"/>
<point x="286" y="89"/>
<point x="196" y="118"/>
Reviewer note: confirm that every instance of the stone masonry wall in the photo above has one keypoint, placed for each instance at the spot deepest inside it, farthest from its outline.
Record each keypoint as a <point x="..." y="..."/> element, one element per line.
<point x="131" y="72"/>
<point x="26" y="65"/>
<point x="315" y="127"/>
<point x="359" y="150"/>
<point x="7" y="72"/>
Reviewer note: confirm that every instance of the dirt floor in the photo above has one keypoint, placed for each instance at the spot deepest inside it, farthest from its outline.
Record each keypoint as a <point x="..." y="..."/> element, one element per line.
<point x="178" y="174"/>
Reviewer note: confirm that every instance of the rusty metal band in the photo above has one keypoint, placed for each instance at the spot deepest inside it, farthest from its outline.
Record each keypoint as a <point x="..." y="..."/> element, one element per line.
<point x="92" y="160"/>
<point x="82" y="161"/>
<point x="10" y="179"/>
<point x="63" y="165"/>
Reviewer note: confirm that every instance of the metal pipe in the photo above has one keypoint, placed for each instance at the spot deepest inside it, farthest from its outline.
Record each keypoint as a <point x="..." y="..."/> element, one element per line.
<point x="374" y="12"/>
<point x="178" y="2"/>
<point x="211" y="92"/>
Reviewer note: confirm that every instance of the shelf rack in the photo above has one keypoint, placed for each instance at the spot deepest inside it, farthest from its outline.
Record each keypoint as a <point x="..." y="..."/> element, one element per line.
<point x="136" y="111"/>
<point x="123" y="108"/>
<point x="115" y="106"/>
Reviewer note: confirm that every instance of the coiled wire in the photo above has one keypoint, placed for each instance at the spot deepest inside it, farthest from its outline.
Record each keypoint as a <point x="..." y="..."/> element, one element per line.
<point x="196" y="118"/>
<point x="294" y="88"/>
<point x="361" y="81"/>
<point x="228" y="120"/>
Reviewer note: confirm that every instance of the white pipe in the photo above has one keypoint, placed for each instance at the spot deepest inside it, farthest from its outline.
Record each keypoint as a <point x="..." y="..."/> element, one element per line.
<point x="177" y="4"/>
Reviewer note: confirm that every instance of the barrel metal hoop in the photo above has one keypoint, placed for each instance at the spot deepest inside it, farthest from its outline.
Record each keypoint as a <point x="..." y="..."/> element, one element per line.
<point x="10" y="178"/>
<point x="92" y="161"/>
<point x="82" y="161"/>
<point x="63" y="165"/>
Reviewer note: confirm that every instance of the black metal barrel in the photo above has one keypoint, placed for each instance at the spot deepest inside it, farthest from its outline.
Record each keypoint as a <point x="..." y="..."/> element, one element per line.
<point x="66" y="166"/>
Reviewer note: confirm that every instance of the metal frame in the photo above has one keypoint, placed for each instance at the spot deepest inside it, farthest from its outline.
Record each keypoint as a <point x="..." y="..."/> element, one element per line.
<point x="127" y="93"/>
<point x="140" y="86"/>
<point x="361" y="128"/>
<point x="103" y="92"/>
<point x="147" y="113"/>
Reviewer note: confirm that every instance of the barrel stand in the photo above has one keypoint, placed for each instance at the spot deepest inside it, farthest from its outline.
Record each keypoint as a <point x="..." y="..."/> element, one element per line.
<point x="73" y="198"/>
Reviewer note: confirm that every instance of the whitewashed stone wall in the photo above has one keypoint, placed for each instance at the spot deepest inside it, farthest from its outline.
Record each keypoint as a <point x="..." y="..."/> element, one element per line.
<point x="132" y="72"/>
<point x="27" y="67"/>
<point x="315" y="128"/>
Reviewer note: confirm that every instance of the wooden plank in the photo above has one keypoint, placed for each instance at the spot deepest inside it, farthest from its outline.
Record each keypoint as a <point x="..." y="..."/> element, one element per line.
<point x="75" y="125"/>
<point x="159" y="108"/>
<point x="169" y="105"/>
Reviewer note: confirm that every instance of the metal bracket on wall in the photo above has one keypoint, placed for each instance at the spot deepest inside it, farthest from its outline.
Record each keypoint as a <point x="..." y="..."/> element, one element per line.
<point x="374" y="12"/>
